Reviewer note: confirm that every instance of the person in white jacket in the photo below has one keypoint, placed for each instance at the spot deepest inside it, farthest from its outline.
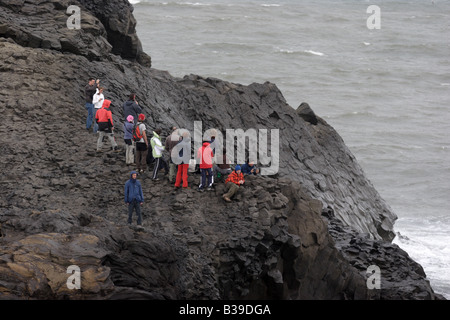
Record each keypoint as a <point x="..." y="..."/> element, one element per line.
<point x="97" y="101"/>
<point x="157" y="150"/>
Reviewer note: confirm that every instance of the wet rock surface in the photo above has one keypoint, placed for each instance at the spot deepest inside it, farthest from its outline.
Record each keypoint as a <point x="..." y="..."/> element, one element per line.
<point x="62" y="203"/>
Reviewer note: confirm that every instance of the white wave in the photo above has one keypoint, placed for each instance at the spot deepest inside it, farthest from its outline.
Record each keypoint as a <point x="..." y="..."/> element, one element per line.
<point x="270" y="5"/>
<point x="134" y="1"/>
<point x="285" y="50"/>
<point x="445" y="84"/>
<point x="193" y="4"/>
<point x="367" y="43"/>
<point x="316" y="53"/>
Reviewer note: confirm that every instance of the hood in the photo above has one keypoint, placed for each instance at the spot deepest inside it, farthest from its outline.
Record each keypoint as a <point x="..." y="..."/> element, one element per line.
<point x="128" y="103"/>
<point x="155" y="134"/>
<point x="106" y="103"/>
<point x="131" y="174"/>
<point x="205" y="144"/>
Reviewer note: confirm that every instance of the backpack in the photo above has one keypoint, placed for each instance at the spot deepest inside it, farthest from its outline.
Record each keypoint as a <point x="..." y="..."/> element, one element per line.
<point x="137" y="135"/>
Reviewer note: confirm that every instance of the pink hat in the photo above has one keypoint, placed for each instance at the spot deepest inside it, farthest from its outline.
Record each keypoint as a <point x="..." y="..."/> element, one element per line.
<point x="130" y="118"/>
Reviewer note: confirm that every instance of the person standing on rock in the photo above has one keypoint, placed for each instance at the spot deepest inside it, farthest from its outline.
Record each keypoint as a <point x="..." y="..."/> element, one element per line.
<point x="157" y="150"/>
<point x="205" y="156"/>
<point x="97" y="101"/>
<point x="134" y="198"/>
<point x="141" y="144"/>
<point x="131" y="107"/>
<point x="89" y="92"/>
<point x="105" y="126"/>
<point x="234" y="181"/>
<point x="184" y="150"/>
<point x="128" y="139"/>
<point x="171" y="141"/>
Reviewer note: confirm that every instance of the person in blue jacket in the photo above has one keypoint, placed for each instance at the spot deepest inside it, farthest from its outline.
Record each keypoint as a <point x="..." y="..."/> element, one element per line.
<point x="249" y="168"/>
<point x="134" y="197"/>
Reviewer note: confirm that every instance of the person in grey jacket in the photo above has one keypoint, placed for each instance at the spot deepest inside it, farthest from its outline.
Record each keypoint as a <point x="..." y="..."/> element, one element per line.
<point x="131" y="107"/>
<point x="128" y="139"/>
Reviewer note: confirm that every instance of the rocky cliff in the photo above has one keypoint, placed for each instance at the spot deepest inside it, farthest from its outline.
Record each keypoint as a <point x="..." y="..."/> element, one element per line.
<point x="308" y="231"/>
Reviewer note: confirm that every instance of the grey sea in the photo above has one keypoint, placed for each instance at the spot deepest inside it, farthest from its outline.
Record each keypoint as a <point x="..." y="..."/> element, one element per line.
<point x="380" y="75"/>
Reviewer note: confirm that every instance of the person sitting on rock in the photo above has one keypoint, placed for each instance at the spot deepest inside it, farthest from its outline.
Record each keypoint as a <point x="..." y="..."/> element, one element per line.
<point x="128" y="139"/>
<point x="105" y="126"/>
<point x="233" y="182"/>
<point x="134" y="197"/>
<point x="223" y="168"/>
<point x="249" y="168"/>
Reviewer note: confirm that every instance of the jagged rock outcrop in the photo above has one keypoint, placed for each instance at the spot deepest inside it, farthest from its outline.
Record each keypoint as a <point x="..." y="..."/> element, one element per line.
<point x="105" y="27"/>
<point x="62" y="203"/>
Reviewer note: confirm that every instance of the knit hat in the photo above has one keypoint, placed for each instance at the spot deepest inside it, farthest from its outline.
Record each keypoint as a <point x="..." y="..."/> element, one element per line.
<point x="141" y="117"/>
<point x="130" y="118"/>
<point x="238" y="167"/>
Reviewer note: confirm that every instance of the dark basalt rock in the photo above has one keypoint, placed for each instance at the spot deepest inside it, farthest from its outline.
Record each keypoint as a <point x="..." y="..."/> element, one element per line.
<point x="308" y="232"/>
<point x="106" y="27"/>
<point x="305" y="111"/>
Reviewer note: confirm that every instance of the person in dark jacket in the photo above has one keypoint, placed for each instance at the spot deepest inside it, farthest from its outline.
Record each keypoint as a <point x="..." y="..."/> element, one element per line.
<point x="105" y="126"/>
<point x="224" y="168"/>
<point x="249" y="168"/>
<point x="131" y="107"/>
<point x="134" y="197"/>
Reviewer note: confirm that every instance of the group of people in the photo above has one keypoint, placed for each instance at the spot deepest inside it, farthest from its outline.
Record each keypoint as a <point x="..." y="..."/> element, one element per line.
<point x="99" y="114"/>
<point x="138" y="145"/>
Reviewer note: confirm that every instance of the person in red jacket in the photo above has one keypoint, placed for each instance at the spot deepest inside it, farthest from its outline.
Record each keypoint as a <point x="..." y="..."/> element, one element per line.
<point x="233" y="182"/>
<point x="105" y="123"/>
<point x="205" y="156"/>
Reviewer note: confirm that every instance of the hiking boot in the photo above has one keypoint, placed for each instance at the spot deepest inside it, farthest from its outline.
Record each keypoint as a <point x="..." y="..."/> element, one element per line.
<point x="226" y="198"/>
<point x="209" y="189"/>
<point x="201" y="190"/>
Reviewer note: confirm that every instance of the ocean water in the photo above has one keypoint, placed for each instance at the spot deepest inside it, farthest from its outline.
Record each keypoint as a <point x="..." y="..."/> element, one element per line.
<point x="386" y="91"/>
